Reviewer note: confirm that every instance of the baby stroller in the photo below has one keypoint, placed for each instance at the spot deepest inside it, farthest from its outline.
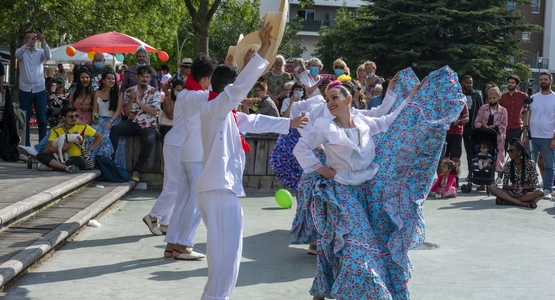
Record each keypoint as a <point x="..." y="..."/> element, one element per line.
<point x="482" y="176"/>
<point x="54" y="110"/>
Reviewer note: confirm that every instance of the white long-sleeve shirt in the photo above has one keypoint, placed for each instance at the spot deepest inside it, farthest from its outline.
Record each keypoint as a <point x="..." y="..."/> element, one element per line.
<point x="31" y="68"/>
<point x="316" y="107"/>
<point x="191" y="150"/>
<point x="224" y="157"/>
<point x="351" y="159"/>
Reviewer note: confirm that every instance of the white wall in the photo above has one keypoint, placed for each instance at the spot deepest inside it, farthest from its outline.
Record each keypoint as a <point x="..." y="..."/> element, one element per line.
<point x="548" y="40"/>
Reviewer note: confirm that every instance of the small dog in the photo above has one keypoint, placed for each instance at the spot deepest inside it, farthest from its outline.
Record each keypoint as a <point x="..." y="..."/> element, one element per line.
<point x="59" y="144"/>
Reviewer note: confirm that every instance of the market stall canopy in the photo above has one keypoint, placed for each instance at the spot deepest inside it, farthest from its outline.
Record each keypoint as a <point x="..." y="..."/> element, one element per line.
<point x="59" y="56"/>
<point x="111" y="42"/>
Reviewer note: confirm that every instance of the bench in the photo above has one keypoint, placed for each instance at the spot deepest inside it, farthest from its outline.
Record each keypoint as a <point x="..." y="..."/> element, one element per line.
<point x="258" y="174"/>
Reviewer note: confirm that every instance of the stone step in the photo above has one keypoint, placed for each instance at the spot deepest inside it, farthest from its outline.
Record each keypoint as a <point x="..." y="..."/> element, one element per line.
<point x="24" y="242"/>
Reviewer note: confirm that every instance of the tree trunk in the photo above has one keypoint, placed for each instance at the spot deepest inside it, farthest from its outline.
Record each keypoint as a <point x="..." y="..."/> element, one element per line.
<point x="201" y="39"/>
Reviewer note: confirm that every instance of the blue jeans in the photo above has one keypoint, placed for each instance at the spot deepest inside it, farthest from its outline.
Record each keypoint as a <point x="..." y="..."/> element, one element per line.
<point x="26" y="102"/>
<point x="41" y="146"/>
<point x="148" y="138"/>
<point x="542" y="145"/>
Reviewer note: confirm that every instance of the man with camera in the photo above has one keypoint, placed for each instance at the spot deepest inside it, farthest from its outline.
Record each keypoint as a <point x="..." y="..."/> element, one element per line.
<point x="542" y="130"/>
<point x="513" y="102"/>
<point x="32" y="87"/>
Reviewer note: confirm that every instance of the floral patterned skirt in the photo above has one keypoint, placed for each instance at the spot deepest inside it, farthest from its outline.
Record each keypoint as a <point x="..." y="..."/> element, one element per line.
<point x="105" y="148"/>
<point x="283" y="162"/>
<point x="302" y="230"/>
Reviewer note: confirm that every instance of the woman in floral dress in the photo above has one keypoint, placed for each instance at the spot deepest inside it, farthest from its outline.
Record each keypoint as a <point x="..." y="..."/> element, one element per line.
<point x="82" y="97"/>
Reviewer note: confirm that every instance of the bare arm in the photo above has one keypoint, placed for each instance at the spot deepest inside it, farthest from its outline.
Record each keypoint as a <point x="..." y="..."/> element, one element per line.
<point x="168" y="108"/>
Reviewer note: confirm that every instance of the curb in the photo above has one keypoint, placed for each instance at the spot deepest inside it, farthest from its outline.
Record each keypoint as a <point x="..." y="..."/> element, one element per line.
<point x="14" y="210"/>
<point x="33" y="252"/>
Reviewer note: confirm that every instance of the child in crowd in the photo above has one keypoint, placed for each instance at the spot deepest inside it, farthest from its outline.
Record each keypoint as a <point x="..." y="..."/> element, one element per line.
<point x="484" y="159"/>
<point x="446" y="185"/>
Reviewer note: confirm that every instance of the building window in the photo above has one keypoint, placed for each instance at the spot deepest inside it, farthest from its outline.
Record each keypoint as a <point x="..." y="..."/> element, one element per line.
<point x="306" y="14"/>
<point x="536" y="6"/>
<point x="534" y="59"/>
<point x="510" y="5"/>
<point x="525" y="36"/>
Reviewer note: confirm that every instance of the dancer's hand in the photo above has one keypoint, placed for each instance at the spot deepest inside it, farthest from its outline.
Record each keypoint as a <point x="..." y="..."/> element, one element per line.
<point x="328" y="173"/>
<point x="229" y="60"/>
<point x="415" y="88"/>
<point x="298" y="122"/>
<point x="393" y="82"/>
<point x="248" y="56"/>
<point x="264" y="35"/>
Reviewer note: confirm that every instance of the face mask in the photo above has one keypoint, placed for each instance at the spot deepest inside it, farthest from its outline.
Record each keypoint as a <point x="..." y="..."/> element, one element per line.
<point x="297" y="68"/>
<point x="141" y="64"/>
<point x="98" y="65"/>
<point x="370" y="75"/>
<point x="298" y="94"/>
<point x="176" y="93"/>
<point x="338" y="72"/>
<point x="492" y="104"/>
<point x="313" y="70"/>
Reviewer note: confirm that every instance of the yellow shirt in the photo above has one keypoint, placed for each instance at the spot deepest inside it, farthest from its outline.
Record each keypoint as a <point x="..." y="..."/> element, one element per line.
<point x="79" y="128"/>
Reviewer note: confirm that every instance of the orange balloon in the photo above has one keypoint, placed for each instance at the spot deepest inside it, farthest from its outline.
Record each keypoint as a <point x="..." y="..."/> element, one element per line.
<point x="91" y="54"/>
<point x="70" y="51"/>
<point x="163" y="56"/>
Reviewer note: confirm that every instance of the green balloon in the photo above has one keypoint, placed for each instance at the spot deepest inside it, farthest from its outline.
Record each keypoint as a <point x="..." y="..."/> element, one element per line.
<point x="284" y="198"/>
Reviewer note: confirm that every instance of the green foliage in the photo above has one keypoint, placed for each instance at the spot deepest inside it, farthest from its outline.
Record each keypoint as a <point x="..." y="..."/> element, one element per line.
<point x="290" y="46"/>
<point x="226" y="26"/>
<point x="472" y="37"/>
<point x="522" y="70"/>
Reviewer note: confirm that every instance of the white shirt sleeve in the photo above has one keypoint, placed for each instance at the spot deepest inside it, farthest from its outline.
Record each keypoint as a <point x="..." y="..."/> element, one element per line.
<point x="382" y="109"/>
<point x="382" y="123"/>
<point x="303" y="150"/>
<point x="262" y="124"/>
<point x="285" y="105"/>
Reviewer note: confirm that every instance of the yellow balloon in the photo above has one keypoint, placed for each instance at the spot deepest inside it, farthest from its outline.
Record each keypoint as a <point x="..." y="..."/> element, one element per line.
<point x="91" y="54"/>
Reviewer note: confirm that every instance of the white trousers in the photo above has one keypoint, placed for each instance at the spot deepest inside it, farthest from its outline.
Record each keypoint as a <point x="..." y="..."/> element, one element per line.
<point x="186" y="217"/>
<point x="163" y="207"/>
<point x="222" y="214"/>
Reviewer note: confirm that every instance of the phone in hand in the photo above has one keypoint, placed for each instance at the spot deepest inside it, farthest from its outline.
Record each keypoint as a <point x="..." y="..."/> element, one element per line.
<point x="39" y="30"/>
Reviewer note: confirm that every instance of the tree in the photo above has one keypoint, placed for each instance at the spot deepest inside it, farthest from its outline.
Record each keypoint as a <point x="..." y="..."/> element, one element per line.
<point x="523" y="71"/>
<point x="473" y="37"/>
<point x="291" y="47"/>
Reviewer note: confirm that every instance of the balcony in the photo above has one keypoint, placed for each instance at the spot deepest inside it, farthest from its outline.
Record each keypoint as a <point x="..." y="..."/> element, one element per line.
<point x="314" y="25"/>
<point x="542" y="63"/>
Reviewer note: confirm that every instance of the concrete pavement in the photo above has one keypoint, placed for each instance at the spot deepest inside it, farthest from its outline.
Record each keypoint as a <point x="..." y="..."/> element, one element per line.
<point x="485" y="252"/>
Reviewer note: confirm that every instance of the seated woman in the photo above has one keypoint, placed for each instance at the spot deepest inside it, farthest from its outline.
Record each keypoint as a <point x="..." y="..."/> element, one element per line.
<point x="296" y="93"/>
<point x="107" y="105"/>
<point x="520" y="171"/>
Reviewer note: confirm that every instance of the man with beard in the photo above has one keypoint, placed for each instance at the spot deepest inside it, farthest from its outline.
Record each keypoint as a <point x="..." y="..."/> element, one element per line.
<point x="473" y="103"/>
<point x="141" y="103"/>
<point x="513" y="102"/>
<point x="542" y="129"/>
<point x="131" y="74"/>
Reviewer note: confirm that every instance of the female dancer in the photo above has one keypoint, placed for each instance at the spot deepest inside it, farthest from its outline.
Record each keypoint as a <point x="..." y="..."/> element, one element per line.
<point x="365" y="228"/>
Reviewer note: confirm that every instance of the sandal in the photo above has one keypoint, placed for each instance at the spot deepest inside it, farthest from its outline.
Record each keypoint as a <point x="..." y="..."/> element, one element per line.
<point x="530" y="204"/>
<point x="499" y="201"/>
<point x="166" y="255"/>
<point x="481" y="188"/>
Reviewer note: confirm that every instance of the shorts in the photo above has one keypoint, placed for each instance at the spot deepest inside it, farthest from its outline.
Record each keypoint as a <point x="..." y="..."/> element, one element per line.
<point x="454" y="146"/>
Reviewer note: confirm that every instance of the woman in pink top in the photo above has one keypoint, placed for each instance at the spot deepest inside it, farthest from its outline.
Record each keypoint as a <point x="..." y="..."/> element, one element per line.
<point x="446" y="184"/>
<point x="82" y="97"/>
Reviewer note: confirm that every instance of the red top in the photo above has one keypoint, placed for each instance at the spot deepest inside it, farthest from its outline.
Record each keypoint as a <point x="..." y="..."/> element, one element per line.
<point x="458" y="129"/>
<point x="515" y="108"/>
<point x="451" y="182"/>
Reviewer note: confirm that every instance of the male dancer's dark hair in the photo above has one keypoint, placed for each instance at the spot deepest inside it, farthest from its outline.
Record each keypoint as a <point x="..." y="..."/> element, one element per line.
<point x="203" y="66"/>
<point x="222" y="76"/>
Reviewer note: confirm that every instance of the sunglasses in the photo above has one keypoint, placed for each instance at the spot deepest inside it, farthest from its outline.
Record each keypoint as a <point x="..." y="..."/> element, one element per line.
<point x="186" y="67"/>
<point x="72" y="116"/>
<point x="338" y="67"/>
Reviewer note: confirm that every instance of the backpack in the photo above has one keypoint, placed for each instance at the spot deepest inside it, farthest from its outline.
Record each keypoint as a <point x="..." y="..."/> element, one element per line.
<point x="110" y="171"/>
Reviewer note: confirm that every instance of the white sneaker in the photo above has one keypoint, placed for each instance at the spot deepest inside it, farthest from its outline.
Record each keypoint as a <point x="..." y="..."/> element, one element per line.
<point x="43" y="167"/>
<point x="547" y="195"/>
<point x="540" y="184"/>
<point x="29" y="151"/>
<point x="437" y="195"/>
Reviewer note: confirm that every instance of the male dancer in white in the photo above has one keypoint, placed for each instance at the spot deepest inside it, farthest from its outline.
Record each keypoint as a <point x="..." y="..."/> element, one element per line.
<point x="186" y="217"/>
<point x="173" y="172"/>
<point x="220" y="182"/>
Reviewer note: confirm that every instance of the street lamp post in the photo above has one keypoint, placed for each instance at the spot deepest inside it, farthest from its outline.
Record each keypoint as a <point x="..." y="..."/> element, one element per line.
<point x="180" y="48"/>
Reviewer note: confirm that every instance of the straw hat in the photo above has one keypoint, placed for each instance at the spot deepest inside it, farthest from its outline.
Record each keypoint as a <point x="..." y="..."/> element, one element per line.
<point x="231" y="51"/>
<point x="278" y="19"/>
<point x="186" y="61"/>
